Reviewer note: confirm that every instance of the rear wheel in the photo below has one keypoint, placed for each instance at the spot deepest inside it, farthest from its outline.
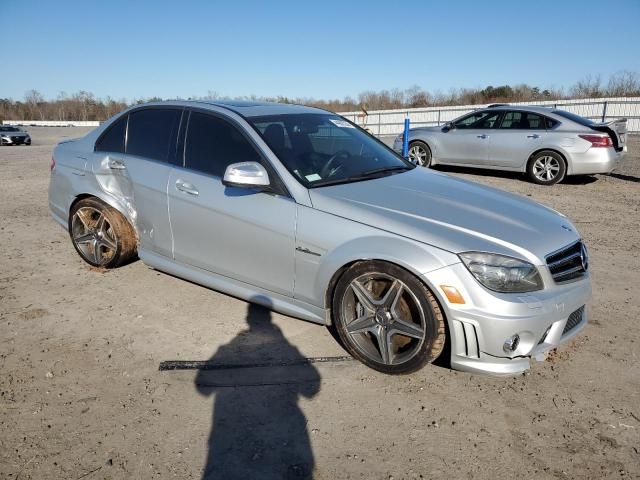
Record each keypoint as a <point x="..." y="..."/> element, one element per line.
<point x="101" y="235"/>
<point x="546" y="168"/>
<point x="386" y="318"/>
<point x="420" y="153"/>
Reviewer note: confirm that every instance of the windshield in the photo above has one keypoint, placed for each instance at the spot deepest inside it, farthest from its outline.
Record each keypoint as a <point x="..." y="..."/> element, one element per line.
<point x="324" y="149"/>
<point x="576" y="118"/>
<point x="9" y="129"/>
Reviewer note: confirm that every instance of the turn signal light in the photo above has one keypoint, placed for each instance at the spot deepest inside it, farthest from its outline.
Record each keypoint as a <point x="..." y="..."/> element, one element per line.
<point x="452" y="294"/>
<point x="53" y="164"/>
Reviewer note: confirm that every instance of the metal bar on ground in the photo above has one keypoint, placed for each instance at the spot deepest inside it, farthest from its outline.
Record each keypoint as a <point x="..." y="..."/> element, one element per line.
<point x="206" y="365"/>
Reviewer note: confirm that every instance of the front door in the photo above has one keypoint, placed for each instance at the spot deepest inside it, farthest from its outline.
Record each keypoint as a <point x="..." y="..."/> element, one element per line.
<point x="468" y="142"/>
<point x="239" y="233"/>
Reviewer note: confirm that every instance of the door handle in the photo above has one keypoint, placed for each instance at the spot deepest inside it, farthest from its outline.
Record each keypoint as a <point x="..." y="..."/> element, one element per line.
<point x="187" y="187"/>
<point x="483" y="136"/>
<point x="116" y="164"/>
<point x="535" y="135"/>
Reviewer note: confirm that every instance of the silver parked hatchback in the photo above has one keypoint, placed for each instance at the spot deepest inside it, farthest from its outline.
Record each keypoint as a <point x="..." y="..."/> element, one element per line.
<point x="545" y="143"/>
<point x="299" y="209"/>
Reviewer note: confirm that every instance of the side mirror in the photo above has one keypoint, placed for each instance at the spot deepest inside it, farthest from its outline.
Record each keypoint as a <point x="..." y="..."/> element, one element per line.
<point x="246" y="175"/>
<point x="448" y="126"/>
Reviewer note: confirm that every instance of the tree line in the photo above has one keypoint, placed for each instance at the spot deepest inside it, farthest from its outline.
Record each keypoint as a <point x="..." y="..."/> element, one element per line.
<point x="83" y="105"/>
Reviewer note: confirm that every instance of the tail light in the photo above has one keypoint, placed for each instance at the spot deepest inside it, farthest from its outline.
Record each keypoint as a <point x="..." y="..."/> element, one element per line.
<point x="53" y="164"/>
<point x="598" y="141"/>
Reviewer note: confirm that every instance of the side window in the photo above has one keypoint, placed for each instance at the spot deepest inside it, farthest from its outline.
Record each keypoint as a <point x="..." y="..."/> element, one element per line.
<point x="113" y="139"/>
<point x="483" y="119"/>
<point x="212" y="144"/>
<point x="550" y="123"/>
<point x="522" y="121"/>
<point x="152" y="133"/>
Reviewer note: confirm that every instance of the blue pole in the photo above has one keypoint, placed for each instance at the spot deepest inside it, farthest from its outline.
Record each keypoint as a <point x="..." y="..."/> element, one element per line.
<point x="405" y="139"/>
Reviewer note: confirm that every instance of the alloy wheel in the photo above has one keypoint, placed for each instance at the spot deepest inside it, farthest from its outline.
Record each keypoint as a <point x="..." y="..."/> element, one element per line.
<point x="546" y="168"/>
<point x="383" y="318"/>
<point x="93" y="235"/>
<point x="419" y="155"/>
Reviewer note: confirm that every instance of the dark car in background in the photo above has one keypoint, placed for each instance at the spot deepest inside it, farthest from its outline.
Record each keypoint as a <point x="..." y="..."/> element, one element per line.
<point x="10" y="135"/>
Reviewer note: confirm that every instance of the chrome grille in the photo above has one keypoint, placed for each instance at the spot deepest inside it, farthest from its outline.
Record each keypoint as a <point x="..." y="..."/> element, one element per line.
<point x="574" y="319"/>
<point x="568" y="263"/>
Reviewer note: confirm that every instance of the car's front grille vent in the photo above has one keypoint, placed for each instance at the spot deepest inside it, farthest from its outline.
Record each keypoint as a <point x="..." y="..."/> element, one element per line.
<point x="574" y="319"/>
<point x="568" y="263"/>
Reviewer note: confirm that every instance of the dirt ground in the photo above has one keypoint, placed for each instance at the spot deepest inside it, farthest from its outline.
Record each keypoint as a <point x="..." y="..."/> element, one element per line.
<point x="81" y="395"/>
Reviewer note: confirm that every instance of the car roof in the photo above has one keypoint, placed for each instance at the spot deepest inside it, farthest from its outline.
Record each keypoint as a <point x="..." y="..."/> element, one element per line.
<point x="528" y="108"/>
<point x="243" y="107"/>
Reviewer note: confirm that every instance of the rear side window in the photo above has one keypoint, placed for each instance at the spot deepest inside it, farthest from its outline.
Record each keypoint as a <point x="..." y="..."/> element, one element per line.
<point x="212" y="144"/>
<point x="550" y="123"/>
<point x="152" y="133"/>
<point x="113" y="138"/>
<point x="523" y="121"/>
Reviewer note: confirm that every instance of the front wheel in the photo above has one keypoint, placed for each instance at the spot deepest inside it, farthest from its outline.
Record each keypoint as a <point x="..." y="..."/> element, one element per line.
<point x="420" y="153"/>
<point x="386" y="318"/>
<point x="546" y="168"/>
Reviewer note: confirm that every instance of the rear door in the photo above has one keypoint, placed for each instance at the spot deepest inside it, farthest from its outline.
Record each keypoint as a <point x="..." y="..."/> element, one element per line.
<point x="468" y="142"/>
<point x="138" y="172"/>
<point x="519" y="134"/>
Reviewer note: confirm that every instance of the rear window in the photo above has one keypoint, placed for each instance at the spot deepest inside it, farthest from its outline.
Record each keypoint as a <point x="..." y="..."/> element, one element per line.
<point x="573" y="117"/>
<point x="152" y="133"/>
<point x="113" y="139"/>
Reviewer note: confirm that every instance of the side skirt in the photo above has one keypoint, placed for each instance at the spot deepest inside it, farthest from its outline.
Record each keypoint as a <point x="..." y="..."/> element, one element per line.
<point x="275" y="301"/>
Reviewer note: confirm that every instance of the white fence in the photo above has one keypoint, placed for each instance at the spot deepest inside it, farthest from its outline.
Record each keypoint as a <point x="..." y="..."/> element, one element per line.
<point x="391" y="122"/>
<point x="49" y="123"/>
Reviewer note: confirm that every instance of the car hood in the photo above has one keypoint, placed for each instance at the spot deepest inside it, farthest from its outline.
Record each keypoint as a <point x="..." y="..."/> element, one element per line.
<point x="450" y="213"/>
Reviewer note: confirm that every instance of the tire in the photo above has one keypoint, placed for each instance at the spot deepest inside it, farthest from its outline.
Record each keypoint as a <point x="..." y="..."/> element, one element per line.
<point x="420" y="153"/>
<point x="546" y="168"/>
<point x="101" y="235"/>
<point x="378" y="304"/>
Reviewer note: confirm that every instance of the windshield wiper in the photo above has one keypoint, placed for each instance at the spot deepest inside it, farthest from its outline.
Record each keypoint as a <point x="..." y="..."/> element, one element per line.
<point x="362" y="176"/>
<point x="385" y="169"/>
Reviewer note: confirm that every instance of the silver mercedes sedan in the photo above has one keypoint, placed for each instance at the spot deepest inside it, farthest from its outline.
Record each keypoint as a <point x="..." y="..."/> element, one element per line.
<point x="545" y="143"/>
<point x="299" y="209"/>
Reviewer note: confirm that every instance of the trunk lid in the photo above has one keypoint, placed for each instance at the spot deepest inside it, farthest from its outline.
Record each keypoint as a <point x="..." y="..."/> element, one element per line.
<point x="617" y="131"/>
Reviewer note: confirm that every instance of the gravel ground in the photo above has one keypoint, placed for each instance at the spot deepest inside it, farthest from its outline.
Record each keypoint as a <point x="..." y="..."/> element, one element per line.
<point x="81" y="395"/>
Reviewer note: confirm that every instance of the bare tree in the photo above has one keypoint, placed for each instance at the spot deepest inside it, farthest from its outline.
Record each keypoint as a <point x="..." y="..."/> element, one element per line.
<point x="34" y="100"/>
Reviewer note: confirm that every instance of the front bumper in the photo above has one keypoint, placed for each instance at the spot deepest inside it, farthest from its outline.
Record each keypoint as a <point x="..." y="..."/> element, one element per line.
<point x="595" y="160"/>
<point x="479" y="328"/>
<point x="15" y="140"/>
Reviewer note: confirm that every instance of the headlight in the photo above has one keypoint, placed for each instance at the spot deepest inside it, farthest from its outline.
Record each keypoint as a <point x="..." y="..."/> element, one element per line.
<point x="501" y="273"/>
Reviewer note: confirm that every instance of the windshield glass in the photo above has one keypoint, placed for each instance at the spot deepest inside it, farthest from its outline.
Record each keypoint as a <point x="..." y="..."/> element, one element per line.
<point x="576" y="118"/>
<point x="321" y="149"/>
<point x="9" y="129"/>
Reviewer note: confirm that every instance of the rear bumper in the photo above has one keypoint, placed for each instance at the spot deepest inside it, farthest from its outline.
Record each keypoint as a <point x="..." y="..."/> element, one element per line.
<point x="479" y="328"/>
<point x="595" y="160"/>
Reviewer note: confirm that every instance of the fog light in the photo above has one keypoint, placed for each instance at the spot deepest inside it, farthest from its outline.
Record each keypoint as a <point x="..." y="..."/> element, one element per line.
<point x="511" y="343"/>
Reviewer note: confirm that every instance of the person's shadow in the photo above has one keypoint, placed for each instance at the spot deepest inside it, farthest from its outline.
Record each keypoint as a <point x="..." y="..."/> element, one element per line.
<point x="258" y="429"/>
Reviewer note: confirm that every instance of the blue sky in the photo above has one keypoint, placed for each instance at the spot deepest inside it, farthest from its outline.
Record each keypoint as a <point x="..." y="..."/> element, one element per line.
<point x="319" y="49"/>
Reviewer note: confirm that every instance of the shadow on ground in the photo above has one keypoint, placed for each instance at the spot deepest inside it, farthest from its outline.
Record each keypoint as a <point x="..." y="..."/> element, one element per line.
<point x="258" y="428"/>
